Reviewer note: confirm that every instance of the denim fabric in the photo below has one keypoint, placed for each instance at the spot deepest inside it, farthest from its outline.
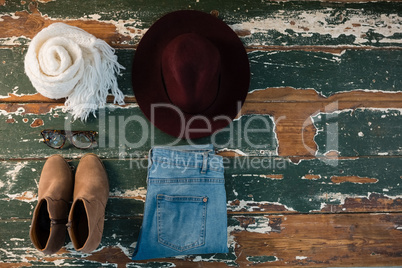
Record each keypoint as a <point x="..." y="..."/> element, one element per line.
<point x="185" y="207"/>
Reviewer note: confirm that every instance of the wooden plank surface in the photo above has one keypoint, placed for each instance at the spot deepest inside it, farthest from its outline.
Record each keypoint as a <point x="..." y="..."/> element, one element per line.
<point x="329" y="240"/>
<point x="311" y="186"/>
<point x="261" y="23"/>
<point x="269" y="69"/>
<point x="313" y="162"/>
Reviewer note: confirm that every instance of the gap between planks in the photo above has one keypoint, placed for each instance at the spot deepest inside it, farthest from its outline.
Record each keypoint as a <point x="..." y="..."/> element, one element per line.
<point x="226" y="154"/>
<point x="236" y="214"/>
<point x="268" y="95"/>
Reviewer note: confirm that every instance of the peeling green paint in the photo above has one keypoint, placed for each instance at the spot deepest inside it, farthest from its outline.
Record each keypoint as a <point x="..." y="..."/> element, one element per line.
<point x="126" y="133"/>
<point x="247" y="189"/>
<point x="262" y="259"/>
<point x="303" y="195"/>
<point x="365" y="54"/>
<point x="327" y="73"/>
<point x="360" y="132"/>
<point x="277" y="16"/>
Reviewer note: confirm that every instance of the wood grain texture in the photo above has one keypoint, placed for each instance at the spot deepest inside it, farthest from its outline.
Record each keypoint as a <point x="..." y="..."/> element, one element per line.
<point x="248" y="188"/>
<point x="290" y="240"/>
<point x="277" y="121"/>
<point x="278" y="102"/>
<point x="311" y="241"/>
<point x="323" y="72"/>
<point x="312" y="162"/>
<point x="296" y="22"/>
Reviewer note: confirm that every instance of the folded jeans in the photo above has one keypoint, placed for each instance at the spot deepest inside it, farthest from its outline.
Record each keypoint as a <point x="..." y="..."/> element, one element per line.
<point x="185" y="208"/>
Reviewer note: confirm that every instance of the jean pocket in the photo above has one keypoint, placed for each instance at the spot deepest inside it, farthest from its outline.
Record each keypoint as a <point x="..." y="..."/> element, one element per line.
<point x="181" y="221"/>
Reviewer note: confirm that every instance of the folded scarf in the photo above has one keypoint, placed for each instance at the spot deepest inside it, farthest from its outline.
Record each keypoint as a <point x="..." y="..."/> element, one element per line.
<point x="64" y="61"/>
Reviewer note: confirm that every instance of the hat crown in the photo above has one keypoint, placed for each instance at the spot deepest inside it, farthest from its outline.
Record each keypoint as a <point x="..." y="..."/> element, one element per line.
<point x="191" y="72"/>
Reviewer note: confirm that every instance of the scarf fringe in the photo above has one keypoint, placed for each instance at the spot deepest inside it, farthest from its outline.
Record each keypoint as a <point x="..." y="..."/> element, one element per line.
<point x="87" y="88"/>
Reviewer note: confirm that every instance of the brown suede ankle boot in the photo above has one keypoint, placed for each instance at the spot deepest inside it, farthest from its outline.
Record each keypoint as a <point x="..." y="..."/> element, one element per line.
<point x="87" y="214"/>
<point x="48" y="228"/>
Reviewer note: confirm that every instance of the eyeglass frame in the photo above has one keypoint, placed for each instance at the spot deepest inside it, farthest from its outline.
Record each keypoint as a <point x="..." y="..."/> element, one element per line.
<point x="67" y="135"/>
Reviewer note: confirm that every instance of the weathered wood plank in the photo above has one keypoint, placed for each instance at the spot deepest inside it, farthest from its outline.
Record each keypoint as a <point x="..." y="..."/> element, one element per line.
<point x="350" y="132"/>
<point x="310" y="185"/>
<point x="17" y="88"/>
<point x="123" y="132"/>
<point x="262" y="129"/>
<point x="325" y="89"/>
<point x="322" y="240"/>
<point x="259" y="23"/>
<point x="360" y="98"/>
<point x="295" y="129"/>
<point x="327" y="73"/>
<point x="17" y="83"/>
<point x="305" y="240"/>
<point x="253" y="185"/>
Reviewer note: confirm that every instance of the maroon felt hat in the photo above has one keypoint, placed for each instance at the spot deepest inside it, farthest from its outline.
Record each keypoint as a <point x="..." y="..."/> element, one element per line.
<point x="190" y="74"/>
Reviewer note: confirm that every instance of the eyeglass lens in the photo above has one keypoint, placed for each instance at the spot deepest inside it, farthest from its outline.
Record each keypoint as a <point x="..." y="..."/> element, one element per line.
<point x="80" y="140"/>
<point x="54" y="140"/>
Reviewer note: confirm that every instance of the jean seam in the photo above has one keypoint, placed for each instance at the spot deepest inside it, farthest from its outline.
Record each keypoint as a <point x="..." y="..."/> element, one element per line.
<point x="187" y="181"/>
<point x="173" y="164"/>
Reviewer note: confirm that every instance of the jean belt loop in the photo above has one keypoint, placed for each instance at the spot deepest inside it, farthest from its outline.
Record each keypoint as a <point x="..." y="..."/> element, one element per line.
<point x="204" y="162"/>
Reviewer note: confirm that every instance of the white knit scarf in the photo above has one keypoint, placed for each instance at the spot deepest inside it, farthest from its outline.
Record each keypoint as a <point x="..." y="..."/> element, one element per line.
<point x="64" y="61"/>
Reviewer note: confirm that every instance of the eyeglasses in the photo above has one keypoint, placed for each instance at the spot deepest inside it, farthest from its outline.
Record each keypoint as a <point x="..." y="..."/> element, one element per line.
<point x="80" y="139"/>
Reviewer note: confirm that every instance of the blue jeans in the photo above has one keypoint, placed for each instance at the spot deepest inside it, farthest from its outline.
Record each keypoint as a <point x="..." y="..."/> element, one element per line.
<point x="185" y="208"/>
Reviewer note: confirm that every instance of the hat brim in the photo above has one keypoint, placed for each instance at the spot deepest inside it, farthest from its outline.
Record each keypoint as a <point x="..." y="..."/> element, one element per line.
<point x="149" y="88"/>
